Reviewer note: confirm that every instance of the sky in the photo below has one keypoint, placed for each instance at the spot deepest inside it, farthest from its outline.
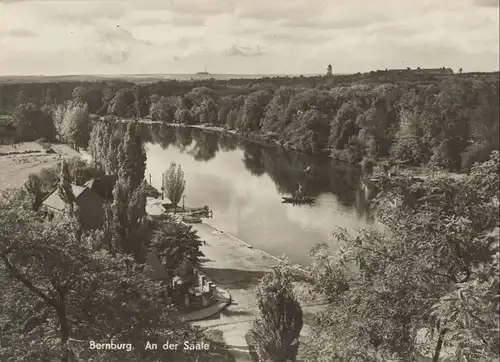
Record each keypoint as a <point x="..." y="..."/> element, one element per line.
<point x="62" y="37"/>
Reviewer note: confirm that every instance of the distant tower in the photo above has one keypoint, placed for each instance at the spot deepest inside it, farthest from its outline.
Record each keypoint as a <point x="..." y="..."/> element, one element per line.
<point x="329" y="70"/>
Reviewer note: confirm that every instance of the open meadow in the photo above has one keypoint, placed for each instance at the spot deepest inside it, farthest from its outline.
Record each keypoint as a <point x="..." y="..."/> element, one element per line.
<point x="16" y="164"/>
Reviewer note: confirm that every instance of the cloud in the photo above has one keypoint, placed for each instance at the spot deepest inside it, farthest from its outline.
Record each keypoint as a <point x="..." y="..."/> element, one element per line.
<point x="78" y="12"/>
<point x="116" y="45"/>
<point x="280" y="10"/>
<point x="22" y="33"/>
<point x="337" y="24"/>
<point x="488" y="3"/>
<point x="118" y="34"/>
<point x="186" y="42"/>
<point x="187" y="21"/>
<point x="243" y="51"/>
<point x="176" y="21"/>
<point x="200" y="7"/>
<point x="147" y="36"/>
<point x="113" y="57"/>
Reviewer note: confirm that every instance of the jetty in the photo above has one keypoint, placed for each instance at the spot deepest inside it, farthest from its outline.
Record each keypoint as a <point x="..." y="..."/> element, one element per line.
<point x="158" y="205"/>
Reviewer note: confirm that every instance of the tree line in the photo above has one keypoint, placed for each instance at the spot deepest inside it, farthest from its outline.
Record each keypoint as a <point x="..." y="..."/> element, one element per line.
<point x="447" y="123"/>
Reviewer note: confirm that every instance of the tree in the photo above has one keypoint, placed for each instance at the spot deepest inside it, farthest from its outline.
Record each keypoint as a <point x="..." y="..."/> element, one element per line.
<point x="407" y="146"/>
<point x="34" y="122"/>
<point x="130" y="223"/>
<point x="390" y="287"/>
<point x="173" y="242"/>
<point x="95" y="147"/>
<point x="484" y="123"/>
<point x="21" y="98"/>
<point x="34" y="188"/>
<point x="114" y="141"/>
<point x="80" y="94"/>
<point x="460" y="71"/>
<point x="275" y="118"/>
<point x="174" y="183"/>
<point x="123" y="103"/>
<point x="253" y="111"/>
<point x="72" y="123"/>
<point x="65" y="189"/>
<point x="277" y="327"/>
<point x="232" y="118"/>
<point x="329" y="70"/>
<point x="162" y="108"/>
<point x="132" y="157"/>
<point x="343" y="126"/>
<point x="59" y="293"/>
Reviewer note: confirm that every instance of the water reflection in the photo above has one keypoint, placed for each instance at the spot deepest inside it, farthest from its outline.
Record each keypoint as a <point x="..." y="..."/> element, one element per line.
<point x="242" y="183"/>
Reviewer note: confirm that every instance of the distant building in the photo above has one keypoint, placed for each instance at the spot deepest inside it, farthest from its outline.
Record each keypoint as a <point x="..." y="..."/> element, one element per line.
<point x="90" y="206"/>
<point x="436" y="71"/>
<point x="429" y="71"/>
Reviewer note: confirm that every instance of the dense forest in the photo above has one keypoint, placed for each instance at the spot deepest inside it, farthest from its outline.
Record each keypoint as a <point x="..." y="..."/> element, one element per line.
<point x="415" y="119"/>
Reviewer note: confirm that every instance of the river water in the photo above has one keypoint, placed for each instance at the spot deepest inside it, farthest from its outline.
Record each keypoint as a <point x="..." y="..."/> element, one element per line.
<point x="243" y="182"/>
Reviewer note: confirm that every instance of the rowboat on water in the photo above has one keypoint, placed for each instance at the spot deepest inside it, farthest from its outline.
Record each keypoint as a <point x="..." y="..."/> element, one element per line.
<point x="298" y="200"/>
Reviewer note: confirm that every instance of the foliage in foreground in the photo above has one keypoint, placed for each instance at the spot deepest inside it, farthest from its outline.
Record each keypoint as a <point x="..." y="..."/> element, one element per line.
<point x="62" y="291"/>
<point x="277" y="327"/>
<point x="426" y="283"/>
<point x="174" y="243"/>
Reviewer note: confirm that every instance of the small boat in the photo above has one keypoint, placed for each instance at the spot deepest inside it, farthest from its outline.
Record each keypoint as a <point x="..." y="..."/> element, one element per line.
<point x="298" y="200"/>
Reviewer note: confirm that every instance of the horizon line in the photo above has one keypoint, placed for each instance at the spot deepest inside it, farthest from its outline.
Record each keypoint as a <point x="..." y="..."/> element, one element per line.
<point x="152" y="74"/>
<point x="215" y="74"/>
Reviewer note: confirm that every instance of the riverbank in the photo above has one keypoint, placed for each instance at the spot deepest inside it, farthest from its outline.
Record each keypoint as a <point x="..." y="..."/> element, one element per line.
<point x="238" y="268"/>
<point x="269" y="140"/>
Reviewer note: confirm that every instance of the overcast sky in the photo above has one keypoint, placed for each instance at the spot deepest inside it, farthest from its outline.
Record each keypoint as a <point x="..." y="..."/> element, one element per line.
<point x="245" y="36"/>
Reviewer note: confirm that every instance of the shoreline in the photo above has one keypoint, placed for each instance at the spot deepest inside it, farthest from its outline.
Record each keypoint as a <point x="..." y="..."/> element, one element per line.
<point x="258" y="138"/>
<point x="301" y="268"/>
<point x="254" y="137"/>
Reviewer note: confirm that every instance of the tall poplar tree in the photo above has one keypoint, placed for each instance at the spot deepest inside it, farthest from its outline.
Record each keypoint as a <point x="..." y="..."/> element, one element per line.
<point x="131" y="230"/>
<point x="276" y="329"/>
<point x="64" y="188"/>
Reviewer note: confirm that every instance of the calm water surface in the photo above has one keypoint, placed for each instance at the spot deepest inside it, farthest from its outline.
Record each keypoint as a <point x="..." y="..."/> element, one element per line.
<point x="243" y="183"/>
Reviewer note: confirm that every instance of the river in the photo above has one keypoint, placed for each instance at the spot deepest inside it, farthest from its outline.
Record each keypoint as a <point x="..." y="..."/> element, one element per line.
<point x="243" y="182"/>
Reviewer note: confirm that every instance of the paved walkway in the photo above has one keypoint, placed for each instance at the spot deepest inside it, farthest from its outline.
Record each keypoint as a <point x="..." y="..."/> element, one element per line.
<point x="238" y="269"/>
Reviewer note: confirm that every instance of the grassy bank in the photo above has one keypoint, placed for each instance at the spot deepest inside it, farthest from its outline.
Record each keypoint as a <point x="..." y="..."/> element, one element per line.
<point x="15" y="167"/>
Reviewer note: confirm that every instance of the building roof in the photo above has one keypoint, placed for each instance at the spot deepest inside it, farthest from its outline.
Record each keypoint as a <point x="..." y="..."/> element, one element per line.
<point x="154" y="206"/>
<point x="152" y="191"/>
<point x="55" y="202"/>
<point x="102" y="186"/>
